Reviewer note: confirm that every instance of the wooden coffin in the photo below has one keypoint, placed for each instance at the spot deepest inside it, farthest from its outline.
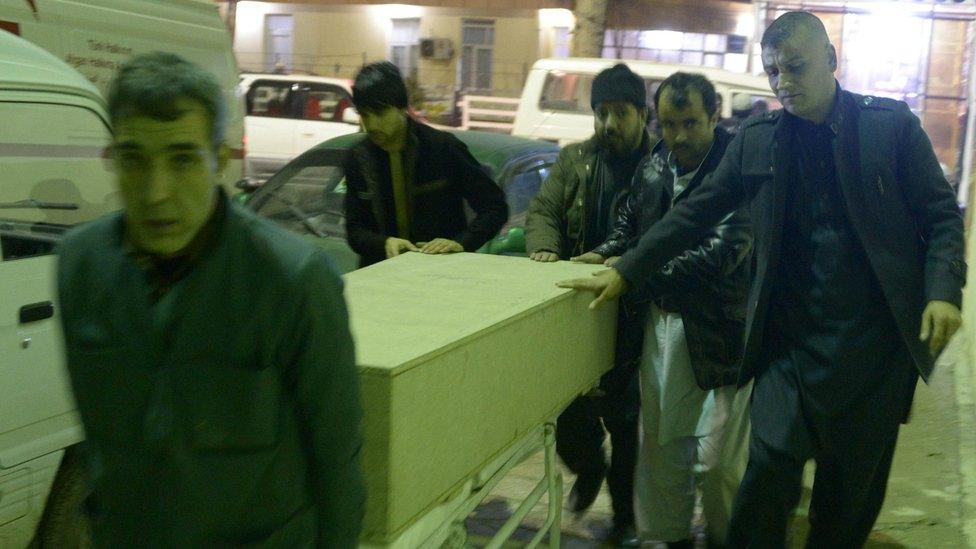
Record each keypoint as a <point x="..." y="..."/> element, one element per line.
<point x="459" y="356"/>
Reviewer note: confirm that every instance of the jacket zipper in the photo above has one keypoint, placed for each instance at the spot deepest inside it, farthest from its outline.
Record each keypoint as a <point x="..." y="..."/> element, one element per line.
<point x="880" y="186"/>
<point x="581" y="244"/>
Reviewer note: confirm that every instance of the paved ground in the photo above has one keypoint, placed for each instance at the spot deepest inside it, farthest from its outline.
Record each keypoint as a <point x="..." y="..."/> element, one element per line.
<point x="927" y="498"/>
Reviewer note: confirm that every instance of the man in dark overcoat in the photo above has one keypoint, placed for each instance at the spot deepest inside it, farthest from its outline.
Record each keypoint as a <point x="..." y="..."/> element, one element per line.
<point x="856" y="287"/>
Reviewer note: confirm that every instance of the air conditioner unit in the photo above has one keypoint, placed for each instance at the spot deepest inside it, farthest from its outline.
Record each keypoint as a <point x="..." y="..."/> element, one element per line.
<point x="436" y="48"/>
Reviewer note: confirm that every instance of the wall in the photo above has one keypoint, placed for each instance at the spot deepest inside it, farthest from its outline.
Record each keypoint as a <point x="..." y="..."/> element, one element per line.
<point x="327" y="40"/>
<point x="335" y="40"/>
<point x="516" y="48"/>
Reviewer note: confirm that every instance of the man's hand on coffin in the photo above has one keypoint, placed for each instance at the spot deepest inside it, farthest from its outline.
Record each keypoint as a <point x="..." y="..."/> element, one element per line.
<point x="544" y="257"/>
<point x="441" y="246"/>
<point x="606" y="284"/>
<point x="592" y="258"/>
<point x="396" y="246"/>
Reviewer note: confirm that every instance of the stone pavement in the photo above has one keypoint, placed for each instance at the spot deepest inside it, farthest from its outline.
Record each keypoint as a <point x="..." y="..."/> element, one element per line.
<point x="931" y="493"/>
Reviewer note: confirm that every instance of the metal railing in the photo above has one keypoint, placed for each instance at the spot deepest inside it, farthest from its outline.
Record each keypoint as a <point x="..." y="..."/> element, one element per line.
<point x="475" y="115"/>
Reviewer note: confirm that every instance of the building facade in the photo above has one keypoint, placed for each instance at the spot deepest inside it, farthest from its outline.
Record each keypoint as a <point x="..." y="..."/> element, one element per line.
<point x="914" y="50"/>
<point x="483" y="48"/>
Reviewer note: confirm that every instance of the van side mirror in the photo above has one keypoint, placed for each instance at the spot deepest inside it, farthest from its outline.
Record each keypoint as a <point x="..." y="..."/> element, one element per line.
<point x="350" y="116"/>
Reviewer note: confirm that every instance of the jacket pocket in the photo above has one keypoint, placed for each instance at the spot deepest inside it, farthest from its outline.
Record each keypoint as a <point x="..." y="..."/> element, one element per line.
<point x="111" y="388"/>
<point x="231" y="408"/>
<point x="887" y="205"/>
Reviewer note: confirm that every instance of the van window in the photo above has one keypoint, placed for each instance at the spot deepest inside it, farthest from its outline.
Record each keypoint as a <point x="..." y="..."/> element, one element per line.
<point x="325" y="102"/>
<point x="570" y="92"/>
<point x="273" y="98"/>
<point x="566" y="92"/>
<point x="52" y="175"/>
<point x="522" y="184"/>
<point x="746" y="104"/>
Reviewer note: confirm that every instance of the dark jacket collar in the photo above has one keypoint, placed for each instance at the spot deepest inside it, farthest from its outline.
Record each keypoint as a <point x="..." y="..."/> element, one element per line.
<point x="837" y="117"/>
<point x="414" y="131"/>
<point x="658" y="159"/>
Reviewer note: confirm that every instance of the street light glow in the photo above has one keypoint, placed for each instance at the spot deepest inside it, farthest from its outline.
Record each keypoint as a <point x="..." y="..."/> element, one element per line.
<point x="556" y="17"/>
<point x="397" y="11"/>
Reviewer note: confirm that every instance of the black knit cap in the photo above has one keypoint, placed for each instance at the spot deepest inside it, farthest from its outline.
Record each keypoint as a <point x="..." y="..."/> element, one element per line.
<point x="618" y="83"/>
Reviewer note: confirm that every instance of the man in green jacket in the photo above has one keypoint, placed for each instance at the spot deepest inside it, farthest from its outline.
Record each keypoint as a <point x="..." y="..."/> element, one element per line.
<point x="573" y="213"/>
<point x="209" y="351"/>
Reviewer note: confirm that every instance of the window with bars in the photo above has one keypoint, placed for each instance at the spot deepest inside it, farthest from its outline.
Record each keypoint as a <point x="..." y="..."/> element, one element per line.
<point x="560" y="46"/>
<point x="689" y="48"/>
<point x="477" y="51"/>
<point x="405" y="46"/>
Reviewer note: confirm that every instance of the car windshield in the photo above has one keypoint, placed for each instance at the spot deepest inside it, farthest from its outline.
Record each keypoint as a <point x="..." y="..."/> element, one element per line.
<point x="521" y="182"/>
<point x="307" y="195"/>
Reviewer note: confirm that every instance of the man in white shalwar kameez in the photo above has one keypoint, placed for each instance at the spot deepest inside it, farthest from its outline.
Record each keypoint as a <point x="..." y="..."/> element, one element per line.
<point x="686" y="323"/>
<point x="687" y="434"/>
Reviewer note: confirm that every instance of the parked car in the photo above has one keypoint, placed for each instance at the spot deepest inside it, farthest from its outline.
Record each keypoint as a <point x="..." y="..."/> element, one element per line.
<point x="288" y="114"/>
<point x="307" y="196"/>
<point x="555" y="103"/>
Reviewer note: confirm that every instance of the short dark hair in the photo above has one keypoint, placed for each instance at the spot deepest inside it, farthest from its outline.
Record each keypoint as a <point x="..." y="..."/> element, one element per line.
<point x="151" y="84"/>
<point x="377" y="86"/>
<point x="785" y="25"/>
<point x="680" y="83"/>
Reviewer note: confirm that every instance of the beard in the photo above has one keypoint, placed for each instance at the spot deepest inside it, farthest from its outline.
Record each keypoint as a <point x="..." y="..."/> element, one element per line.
<point x="614" y="142"/>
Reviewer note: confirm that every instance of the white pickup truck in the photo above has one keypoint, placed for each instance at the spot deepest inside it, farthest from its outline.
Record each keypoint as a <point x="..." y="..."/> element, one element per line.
<point x="289" y="114"/>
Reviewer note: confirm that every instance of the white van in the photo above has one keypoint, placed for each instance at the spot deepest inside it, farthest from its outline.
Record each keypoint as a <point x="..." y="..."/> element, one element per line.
<point x="288" y="114"/>
<point x="97" y="36"/>
<point x="555" y="102"/>
<point x="52" y="176"/>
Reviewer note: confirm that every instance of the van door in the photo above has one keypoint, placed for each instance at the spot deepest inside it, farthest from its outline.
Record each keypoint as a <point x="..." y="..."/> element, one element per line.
<point x="52" y="176"/>
<point x="323" y="107"/>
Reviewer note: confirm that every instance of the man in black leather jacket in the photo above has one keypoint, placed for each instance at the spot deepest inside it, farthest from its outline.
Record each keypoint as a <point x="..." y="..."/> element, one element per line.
<point x="686" y="323"/>
<point x="408" y="182"/>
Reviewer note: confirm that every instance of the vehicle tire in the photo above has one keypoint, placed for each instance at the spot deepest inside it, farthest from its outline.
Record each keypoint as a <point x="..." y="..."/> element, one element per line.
<point x="64" y="523"/>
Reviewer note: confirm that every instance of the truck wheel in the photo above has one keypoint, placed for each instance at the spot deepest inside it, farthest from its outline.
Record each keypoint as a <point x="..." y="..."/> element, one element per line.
<point x="64" y="523"/>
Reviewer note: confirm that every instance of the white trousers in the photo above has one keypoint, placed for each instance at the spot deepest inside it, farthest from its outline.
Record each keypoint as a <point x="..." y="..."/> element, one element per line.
<point x="688" y="438"/>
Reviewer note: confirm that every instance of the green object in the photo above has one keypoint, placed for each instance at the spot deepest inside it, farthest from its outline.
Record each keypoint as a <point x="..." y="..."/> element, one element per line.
<point x="241" y="197"/>
<point x="511" y="243"/>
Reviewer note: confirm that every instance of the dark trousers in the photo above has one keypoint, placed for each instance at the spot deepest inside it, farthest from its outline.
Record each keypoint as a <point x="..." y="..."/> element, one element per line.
<point x="579" y="443"/>
<point x="853" y="450"/>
